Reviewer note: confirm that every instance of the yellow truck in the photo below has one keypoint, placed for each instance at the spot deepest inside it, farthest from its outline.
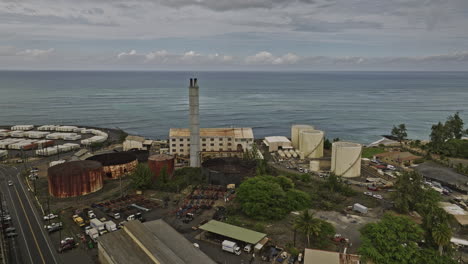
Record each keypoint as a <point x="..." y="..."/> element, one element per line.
<point x="78" y="220"/>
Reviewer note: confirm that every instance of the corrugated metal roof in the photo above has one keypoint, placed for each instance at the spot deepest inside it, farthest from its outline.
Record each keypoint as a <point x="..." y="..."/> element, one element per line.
<point x="232" y="231"/>
<point x="214" y="132"/>
<point x="151" y="242"/>
<point x="312" y="256"/>
<point x="135" y="138"/>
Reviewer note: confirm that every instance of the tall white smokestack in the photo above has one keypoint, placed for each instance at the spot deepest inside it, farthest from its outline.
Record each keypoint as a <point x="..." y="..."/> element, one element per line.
<point x="194" y="124"/>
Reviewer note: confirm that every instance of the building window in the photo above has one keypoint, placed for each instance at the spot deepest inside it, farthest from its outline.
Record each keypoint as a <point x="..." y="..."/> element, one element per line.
<point x="181" y="150"/>
<point x="229" y="139"/>
<point x="188" y="139"/>
<point x="220" y="144"/>
<point x="173" y="145"/>
<point x="188" y="145"/>
<point x="181" y="145"/>
<point x="204" y="149"/>
<point x="204" y="145"/>
<point x="243" y="139"/>
<point x="181" y="139"/>
<point x="173" y="139"/>
<point x="203" y="139"/>
<point x="212" y="139"/>
<point x="229" y="144"/>
<point x="212" y="144"/>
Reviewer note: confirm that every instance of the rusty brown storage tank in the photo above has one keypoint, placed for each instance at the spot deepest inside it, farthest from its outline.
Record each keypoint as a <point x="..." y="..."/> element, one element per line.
<point x="159" y="162"/>
<point x="116" y="164"/>
<point x="75" y="178"/>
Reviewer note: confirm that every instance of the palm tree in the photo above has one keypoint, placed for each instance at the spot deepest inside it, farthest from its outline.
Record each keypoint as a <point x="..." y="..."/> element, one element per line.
<point x="441" y="235"/>
<point x="308" y="224"/>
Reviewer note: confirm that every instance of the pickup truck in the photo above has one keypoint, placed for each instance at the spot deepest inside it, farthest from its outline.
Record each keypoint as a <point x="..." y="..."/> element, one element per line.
<point x="53" y="227"/>
<point x="78" y="220"/>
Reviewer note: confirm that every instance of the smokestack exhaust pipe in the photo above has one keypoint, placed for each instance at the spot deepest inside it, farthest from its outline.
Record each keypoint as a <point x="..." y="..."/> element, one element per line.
<point x="194" y="124"/>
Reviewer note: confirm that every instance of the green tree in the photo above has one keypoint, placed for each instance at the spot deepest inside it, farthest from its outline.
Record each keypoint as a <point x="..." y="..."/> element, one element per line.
<point x="394" y="239"/>
<point x="454" y="126"/>
<point x="438" y="136"/>
<point x="327" y="144"/>
<point x="268" y="197"/>
<point x="429" y="256"/>
<point x="400" y="132"/>
<point x="312" y="227"/>
<point x="441" y="234"/>
<point x="408" y="189"/>
<point x="141" y="178"/>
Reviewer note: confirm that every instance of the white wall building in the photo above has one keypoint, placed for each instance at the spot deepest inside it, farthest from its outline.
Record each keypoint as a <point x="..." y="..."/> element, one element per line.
<point x="211" y="139"/>
<point x="136" y="142"/>
<point x="275" y="143"/>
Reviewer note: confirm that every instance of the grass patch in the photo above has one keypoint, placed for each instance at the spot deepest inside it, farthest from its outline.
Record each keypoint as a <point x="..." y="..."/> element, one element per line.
<point x="370" y="152"/>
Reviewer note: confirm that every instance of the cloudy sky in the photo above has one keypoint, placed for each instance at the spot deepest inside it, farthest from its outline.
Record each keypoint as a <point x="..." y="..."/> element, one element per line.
<point x="234" y="34"/>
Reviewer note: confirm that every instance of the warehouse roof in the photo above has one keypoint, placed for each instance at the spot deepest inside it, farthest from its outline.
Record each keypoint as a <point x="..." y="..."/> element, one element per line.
<point x="152" y="242"/>
<point x="458" y="213"/>
<point x="177" y="243"/>
<point x="232" y="231"/>
<point x="135" y="138"/>
<point x="279" y="139"/>
<point x="312" y="256"/>
<point x="320" y="256"/>
<point x="214" y="132"/>
<point x="117" y="245"/>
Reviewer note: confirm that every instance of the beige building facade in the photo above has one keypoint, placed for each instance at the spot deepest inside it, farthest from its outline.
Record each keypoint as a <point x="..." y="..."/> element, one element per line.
<point x="211" y="140"/>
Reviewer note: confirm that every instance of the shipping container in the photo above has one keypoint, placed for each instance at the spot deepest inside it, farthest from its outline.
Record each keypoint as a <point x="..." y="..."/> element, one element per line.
<point x="22" y="127"/>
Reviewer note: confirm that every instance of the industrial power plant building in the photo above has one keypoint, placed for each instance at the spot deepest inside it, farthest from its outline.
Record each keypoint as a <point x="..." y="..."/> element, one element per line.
<point x="211" y="140"/>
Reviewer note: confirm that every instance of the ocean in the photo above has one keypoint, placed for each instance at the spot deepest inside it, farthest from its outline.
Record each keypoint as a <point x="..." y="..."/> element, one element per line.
<point x="355" y="106"/>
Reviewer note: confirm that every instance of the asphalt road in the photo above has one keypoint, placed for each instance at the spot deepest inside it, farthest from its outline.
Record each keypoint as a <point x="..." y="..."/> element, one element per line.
<point x="32" y="245"/>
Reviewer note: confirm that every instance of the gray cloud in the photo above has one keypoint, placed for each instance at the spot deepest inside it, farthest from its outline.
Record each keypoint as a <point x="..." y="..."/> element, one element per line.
<point x="312" y="25"/>
<point x="227" y="5"/>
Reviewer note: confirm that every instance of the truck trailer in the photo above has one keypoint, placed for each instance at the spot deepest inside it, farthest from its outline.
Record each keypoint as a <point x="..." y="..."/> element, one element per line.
<point x="360" y="208"/>
<point x="110" y="226"/>
<point x="231" y="247"/>
<point x="98" y="225"/>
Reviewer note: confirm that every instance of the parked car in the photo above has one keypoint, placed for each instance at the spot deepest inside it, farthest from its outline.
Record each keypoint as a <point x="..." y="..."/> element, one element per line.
<point x="50" y="216"/>
<point x="377" y="196"/>
<point x="53" y="227"/>
<point x="11" y="234"/>
<point x="10" y="183"/>
<point x="368" y="193"/>
<point x="372" y="188"/>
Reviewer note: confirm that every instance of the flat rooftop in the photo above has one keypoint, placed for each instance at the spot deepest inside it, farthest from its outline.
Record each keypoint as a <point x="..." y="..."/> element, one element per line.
<point x="234" y="232"/>
<point x="279" y="139"/>
<point x="243" y="132"/>
<point x="151" y="242"/>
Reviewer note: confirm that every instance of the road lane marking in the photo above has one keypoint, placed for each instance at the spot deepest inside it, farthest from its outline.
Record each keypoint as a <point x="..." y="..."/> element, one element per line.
<point x="20" y="226"/>
<point x="36" y="217"/>
<point x="30" y="227"/>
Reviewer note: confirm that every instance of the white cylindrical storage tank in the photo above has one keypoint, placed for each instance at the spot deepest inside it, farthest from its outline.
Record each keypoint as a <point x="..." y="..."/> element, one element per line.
<point x="295" y="129"/>
<point x="314" y="165"/>
<point x="346" y="159"/>
<point x="311" y="143"/>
